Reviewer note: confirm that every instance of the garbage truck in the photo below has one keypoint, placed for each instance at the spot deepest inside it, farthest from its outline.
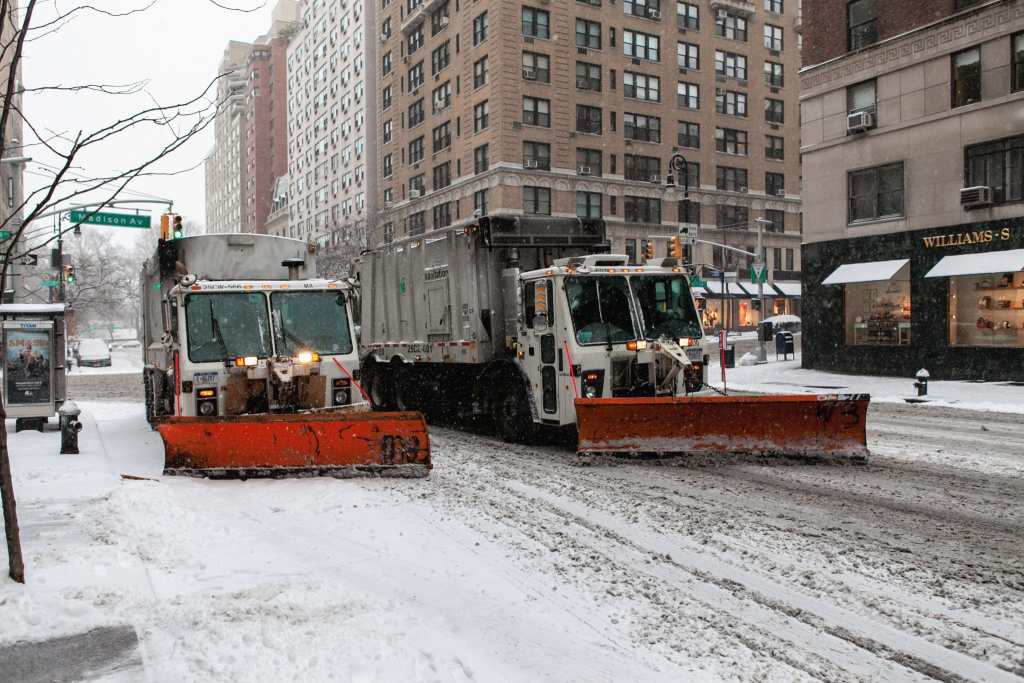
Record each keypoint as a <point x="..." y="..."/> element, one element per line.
<point x="529" y="323"/>
<point x="252" y="367"/>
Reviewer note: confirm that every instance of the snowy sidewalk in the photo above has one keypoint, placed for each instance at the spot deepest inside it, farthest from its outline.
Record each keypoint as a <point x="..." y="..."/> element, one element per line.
<point x="784" y="377"/>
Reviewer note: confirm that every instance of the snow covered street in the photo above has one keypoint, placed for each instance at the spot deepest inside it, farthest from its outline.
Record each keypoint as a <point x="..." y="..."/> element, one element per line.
<point x="516" y="563"/>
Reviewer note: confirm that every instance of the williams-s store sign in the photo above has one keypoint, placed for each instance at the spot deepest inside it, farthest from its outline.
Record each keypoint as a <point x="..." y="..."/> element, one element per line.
<point x="950" y="300"/>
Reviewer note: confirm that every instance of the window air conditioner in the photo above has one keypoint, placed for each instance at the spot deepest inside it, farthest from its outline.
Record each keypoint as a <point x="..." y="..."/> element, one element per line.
<point x="415" y="194"/>
<point x="583" y="170"/>
<point x="860" y="121"/>
<point x="531" y="163"/>
<point x="975" y="197"/>
<point x="583" y="83"/>
<point x="653" y="13"/>
<point x="655" y="179"/>
<point x="529" y="74"/>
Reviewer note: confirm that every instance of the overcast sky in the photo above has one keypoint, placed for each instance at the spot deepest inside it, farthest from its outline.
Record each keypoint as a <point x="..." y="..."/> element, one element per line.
<point x="175" y="45"/>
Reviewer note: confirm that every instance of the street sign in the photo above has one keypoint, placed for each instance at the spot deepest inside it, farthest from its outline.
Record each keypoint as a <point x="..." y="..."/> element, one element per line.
<point x="5" y="235"/>
<point x="698" y="281"/>
<point x="113" y="220"/>
<point x="50" y="283"/>
<point x="29" y="260"/>
<point x="759" y="275"/>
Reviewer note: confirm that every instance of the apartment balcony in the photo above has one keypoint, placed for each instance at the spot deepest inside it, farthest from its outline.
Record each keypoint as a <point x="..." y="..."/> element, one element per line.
<point x="419" y="14"/>
<point x="744" y="8"/>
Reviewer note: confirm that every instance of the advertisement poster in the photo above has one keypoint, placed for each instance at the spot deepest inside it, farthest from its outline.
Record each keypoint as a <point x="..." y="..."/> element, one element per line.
<point x="27" y="366"/>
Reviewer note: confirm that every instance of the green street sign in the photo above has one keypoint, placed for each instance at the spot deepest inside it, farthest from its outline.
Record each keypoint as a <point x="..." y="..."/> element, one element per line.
<point x="5" y="235"/>
<point x="697" y="281"/>
<point x="401" y="286"/>
<point x="50" y="283"/>
<point x="112" y="220"/>
<point x="756" y="275"/>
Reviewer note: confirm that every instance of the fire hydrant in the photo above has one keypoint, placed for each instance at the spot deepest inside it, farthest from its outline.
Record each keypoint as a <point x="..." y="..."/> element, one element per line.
<point x="69" y="428"/>
<point x="922" y="382"/>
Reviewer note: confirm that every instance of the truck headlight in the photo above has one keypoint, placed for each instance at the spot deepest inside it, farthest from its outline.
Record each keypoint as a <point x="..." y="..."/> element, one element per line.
<point x="593" y="383"/>
<point x="307" y="357"/>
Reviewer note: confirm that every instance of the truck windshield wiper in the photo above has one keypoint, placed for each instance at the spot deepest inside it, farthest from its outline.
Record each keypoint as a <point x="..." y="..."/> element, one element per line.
<point x="215" y="328"/>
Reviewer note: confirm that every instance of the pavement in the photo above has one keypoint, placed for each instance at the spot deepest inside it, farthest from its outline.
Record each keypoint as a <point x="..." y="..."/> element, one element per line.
<point x="108" y="652"/>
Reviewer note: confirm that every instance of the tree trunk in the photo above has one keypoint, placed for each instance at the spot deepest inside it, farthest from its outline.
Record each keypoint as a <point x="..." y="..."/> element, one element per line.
<point x="17" y="566"/>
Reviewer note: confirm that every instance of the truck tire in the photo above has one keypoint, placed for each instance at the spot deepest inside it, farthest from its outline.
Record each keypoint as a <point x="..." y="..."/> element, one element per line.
<point x="510" y="412"/>
<point x="147" y="381"/>
<point x="382" y="387"/>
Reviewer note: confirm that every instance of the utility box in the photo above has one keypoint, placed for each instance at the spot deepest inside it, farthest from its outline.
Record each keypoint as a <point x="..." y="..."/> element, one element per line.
<point x="34" y="372"/>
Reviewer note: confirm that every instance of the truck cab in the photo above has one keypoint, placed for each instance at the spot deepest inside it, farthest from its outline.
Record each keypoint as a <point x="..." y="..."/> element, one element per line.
<point x="597" y="327"/>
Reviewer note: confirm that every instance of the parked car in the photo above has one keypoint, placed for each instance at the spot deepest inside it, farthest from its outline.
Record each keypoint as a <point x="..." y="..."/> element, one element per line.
<point x="93" y="353"/>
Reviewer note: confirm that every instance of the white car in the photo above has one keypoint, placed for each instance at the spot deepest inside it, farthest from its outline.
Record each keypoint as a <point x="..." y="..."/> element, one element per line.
<point x="93" y="352"/>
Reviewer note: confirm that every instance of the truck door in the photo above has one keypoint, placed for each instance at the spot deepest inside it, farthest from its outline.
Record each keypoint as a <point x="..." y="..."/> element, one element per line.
<point x="543" y="357"/>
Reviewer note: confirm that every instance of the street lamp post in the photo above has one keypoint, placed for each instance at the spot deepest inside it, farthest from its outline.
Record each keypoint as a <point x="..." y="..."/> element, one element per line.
<point x="760" y="265"/>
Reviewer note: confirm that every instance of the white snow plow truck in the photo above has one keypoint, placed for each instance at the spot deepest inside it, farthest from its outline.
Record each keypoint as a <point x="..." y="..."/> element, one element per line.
<point x="252" y="367"/>
<point x="528" y="322"/>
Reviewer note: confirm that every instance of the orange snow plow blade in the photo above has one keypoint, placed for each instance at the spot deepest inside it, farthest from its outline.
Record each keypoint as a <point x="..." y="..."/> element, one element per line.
<point x="762" y="425"/>
<point x="337" y="444"/>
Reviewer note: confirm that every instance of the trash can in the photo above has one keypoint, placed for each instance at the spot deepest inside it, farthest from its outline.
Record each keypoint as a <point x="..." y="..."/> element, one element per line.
<point x="730" y="356"/>
<point x="767" y="330"/>
<point x="784" y="345"/>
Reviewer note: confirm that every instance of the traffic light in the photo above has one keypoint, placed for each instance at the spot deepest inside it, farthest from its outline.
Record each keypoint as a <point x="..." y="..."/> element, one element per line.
<point x="179" y="231"/>
<point x="648" y="250"/>
<point x="69" y="274"/>
<point x="165" y="226"/>
<point x="675" y="248"/>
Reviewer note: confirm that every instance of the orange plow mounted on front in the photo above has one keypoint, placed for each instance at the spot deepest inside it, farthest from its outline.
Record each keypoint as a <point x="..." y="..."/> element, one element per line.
<point x="802" y="425"/>
<point x="339" y="444"/>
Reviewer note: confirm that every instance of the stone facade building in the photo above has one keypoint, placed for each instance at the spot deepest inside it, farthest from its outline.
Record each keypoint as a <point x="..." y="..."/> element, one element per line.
<point x="226" y="163"/>
<point x="913" y="153"/>
<point x="575" y="108"/>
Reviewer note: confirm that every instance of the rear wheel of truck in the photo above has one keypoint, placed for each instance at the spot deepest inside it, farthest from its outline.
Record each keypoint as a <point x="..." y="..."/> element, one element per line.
<point x="510" y="413"/>
<point x="382" y="388"/>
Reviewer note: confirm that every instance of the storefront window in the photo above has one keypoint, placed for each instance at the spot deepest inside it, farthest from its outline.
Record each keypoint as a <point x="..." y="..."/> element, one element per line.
<point x="987" y="310"/>
<point x="878" y="313"/>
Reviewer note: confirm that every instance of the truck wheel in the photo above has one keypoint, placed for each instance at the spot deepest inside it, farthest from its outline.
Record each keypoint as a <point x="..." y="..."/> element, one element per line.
<point x="510" y="414"/>
<point x="382" y="390"/>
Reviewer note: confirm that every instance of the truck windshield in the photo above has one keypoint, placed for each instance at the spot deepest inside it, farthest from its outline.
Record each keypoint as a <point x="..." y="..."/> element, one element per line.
<point x="600" y="310"/>
<point x="666" y="307"/>
<point x="224" y="325"/>
<point x="311" y="321"/>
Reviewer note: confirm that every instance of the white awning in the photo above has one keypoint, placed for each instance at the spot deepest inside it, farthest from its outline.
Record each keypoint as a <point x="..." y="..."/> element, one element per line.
<point x="714" y="288"/>
<point x="873" y="271"/>
<point x="792" y="289"/>
<point x="979" y="264"/>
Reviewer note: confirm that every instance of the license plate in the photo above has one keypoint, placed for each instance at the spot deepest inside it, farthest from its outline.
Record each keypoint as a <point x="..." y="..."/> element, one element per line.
<point x="205" y="378"/>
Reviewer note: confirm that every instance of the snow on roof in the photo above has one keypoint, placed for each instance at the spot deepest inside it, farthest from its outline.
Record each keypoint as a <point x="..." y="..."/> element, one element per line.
<point x="979" y="264"/>
<point x="788" y="288"/>
<point x="872" y="271"/>
<point x="32" y="308"/>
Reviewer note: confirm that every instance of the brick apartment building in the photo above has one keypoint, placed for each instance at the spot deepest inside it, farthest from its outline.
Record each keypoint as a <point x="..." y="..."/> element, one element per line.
<point x="575" y="108"/>
<point x="225" y="164"/>
<point x="913" y="151"/>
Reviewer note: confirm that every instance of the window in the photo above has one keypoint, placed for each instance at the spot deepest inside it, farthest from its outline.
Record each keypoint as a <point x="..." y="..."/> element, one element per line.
<point x="641" y="46"/>
<point x="439" y="19"/>
<point x="641" y="86"/>
<point x="687" y="16"/>
<point x="443" y="175"/>
<point x="789" y="260"/>
<point x="415" y="76"/>
<point x="688" y="95"/>
<point x="385" y="98"/>
<point x="481" y="116"/>
<point x="1018" y="62"/>
<point x="773" y="74"/>
<point x="442" y="137"/>
<point x="416" y="150"/>
<point x="999" y="165"/>
<point x="442" y="215"/>
<point x="417" y="223"/>
<point x="689" y="135"/>
<point x="861" y="24"/>
<point x="773" y="37"/>
<point x="480" y="202"/>
<point x="631" y="252"/>
<point x="967" y="77"/>
<point x="876" y="192"/>
<point x="642" y="8"/>
<point x="731" y="179"/>
<point x="439" y="58"/>
<point x="987" y="310"/>
<point x="773" y="111"/>
<point x="588" y="204"/>
<point x="730" y="65"/>
<point x="645" y="169"/>
<point x="731" y="103"/>
<point x="732" y="217"/>
<point x="688" y="55"/>
<point x="778" y="221"/>
<point x="731" y="26"/>
<point x="537" y="155"/>
<point x="774" y="148"/>
<point x="588" y="34"/>
<point x="588" y="119"/>
<point x="536" y="112"/>
<point x="588" y="76"/>
<point x="730" y="141"/>
<point x="861" y="97"/>
<point x="442" y="97"/>
<point x="385" y="65"/>
<point x="536" y="23"/>
<point x="691" y="175"/>
<point x="536" y="67"/>
<point x="588" y="162"/>
<point x="641" y="127"/>
<point x="479" y="28"/>
<point x="773" y="6"/>
<point x="775" y="184"/>
<point x="642" y="210"/>
<point x="480" y="72"/>
<point x="480" y="162"/>
<point x="537" y="200"/>
<point x="689" y="212"/>
<point x="414" y="41"/>
<point x="878" y="313"/>
<point x="386" y="131"/>
<point x="416" y="113"/>
<point x="388" y="166"/>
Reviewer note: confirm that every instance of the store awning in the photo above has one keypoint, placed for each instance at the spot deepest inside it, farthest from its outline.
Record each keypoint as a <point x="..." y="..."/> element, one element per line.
<point x="873" y="271"/>
<point x="979" y="264"/>
<point x="732" y="289"/>
<point x="790" y="289"/>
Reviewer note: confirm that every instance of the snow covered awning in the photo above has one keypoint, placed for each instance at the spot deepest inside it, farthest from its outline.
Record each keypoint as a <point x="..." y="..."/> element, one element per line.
<point x="979" y="264"/>
<point x="732" y="289"/>
<point x="791" y="289"/>
<point x="872" y="271"/>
